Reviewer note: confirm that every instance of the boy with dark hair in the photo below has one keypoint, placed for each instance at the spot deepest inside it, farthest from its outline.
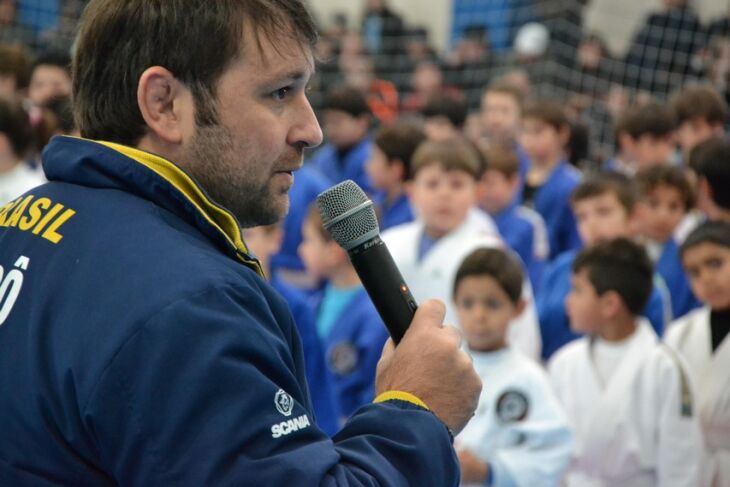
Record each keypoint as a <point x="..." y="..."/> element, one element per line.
<point x="645" y="137"/>
<point x="634" y="417"/>
<point x="348" y="325"/>
<point x="519" y="435"/>
<point x="346" y="120"/>
<point x="701" y="114"/>
<point x="701" y="339"/>
<point x="444" y="117"/>
<point x="522" y="228"/>
<point x="550" y="179"/>
<point x="709" y="160"/>
<point x="605" y="207"/>
<point x="16" y="134"/>
<point x="449" y="226"/>
<point x="50" y="77"/>
<point x="389" y="169"/>
<point x="666" y="198"/>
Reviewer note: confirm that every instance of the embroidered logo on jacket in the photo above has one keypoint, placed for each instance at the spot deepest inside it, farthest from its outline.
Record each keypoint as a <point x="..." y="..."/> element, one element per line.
<point x="284" y="403"/>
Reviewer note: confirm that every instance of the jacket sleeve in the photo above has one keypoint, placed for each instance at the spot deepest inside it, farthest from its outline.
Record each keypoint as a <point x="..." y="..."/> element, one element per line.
<point x="208" y="392"/>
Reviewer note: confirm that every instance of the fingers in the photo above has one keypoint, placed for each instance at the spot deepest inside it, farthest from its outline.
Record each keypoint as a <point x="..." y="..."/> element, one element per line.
<point x="430" y="313"/>
<point x="388" y="347"/>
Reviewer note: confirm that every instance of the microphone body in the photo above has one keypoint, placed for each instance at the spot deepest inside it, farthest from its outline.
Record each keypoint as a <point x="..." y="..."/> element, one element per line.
<point x="385" y="285"/>
<point x="348" y="216"/>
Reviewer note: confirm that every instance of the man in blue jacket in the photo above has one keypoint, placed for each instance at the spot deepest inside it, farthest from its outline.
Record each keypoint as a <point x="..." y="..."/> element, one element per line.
<point x="139" y="343"/>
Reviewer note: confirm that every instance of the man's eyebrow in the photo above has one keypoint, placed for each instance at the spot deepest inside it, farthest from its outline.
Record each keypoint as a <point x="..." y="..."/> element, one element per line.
<point x="291" y="76"/>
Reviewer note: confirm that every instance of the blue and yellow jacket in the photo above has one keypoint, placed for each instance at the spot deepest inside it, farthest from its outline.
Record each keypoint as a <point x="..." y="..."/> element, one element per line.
<point x="140" y="346"/>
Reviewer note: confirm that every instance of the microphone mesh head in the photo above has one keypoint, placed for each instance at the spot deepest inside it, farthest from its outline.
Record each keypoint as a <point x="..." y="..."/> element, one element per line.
<point x="355" y="228"/>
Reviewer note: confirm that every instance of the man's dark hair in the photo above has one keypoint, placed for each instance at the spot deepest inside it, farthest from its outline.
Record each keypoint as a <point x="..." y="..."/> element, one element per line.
<point x="346" y="99"/>
<point x="497" y="264"/>
<point x="711" y="160"/>
<point x="699" y="101"/>
<point x="452" y="107"/>
<point x="652" y="119"/>
<point x="602" y="183"/>
<point x="619" y="265"/>
<point x="715" y="232"/>
<point x="196" y="40"/>
<point x="650" y="178"/>
<point x="399" y="142"/>
<point x="15" y="125"/>
<point x="504" y="87"/>
<point x="58" y="59"/>
<point x="548" y="112"/>
<point x="451" y="155"/>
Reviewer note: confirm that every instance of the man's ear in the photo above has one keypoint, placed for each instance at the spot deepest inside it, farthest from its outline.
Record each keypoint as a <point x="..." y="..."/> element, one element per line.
<point x="519" y="308"/>
<point x="166" y="105"/>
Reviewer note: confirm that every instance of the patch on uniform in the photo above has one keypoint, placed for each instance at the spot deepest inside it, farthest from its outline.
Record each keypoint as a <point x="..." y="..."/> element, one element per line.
<point x="343" y="358"/>
<point x="512" y="406"/>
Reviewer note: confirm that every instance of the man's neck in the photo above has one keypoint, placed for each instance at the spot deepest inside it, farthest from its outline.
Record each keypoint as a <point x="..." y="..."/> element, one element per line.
<point x="540" y="170"/>
<point x="393" y="193"/>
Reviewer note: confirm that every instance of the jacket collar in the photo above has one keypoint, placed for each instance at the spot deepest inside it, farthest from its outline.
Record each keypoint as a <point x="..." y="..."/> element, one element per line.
<point x="108" y="165"/>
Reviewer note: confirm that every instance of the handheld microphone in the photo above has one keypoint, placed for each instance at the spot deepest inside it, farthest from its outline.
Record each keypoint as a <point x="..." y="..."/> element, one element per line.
<point x="348" y="215"/>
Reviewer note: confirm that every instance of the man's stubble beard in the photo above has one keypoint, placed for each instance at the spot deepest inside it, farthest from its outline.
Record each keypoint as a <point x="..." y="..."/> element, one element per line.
<point x="217" y="163"/>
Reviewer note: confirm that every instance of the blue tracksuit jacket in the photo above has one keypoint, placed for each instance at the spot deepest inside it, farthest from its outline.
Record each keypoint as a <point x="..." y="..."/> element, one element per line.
<point x="669" y="266"/>
<point x="140" y="346"/>
<point x="352" y="166"/>
<point x="352" y="350"/>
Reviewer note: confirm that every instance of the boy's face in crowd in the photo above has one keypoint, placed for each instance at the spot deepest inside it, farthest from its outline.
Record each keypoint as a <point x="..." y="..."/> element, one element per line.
<point x="344" y="130"/>
<point x="583" y="304"/>
<point x="497" y="190"/>
<point x="542" y="142"/>
<point x="48" y="82"/>
<point x="602" y="218"/>
<point x="263" y="241"/>
<point x="650" y="150"/>
<point x="316" y="252"/>
<point x="708" y="269"/>
<point x="693" y="132"/>
<point x="661" y="211"/>
<point x="381" y="173"/>
<point x="484" y="310"/>
<point x="442" y="198"/>
<point x="500" y="117"/>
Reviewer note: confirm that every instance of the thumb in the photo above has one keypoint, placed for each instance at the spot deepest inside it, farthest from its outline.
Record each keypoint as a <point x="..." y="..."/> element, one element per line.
<point x="430" y="313"/>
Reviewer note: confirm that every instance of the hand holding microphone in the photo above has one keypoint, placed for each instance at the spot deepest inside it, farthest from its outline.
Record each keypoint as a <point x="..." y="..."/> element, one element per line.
<point x="428" y="361"/>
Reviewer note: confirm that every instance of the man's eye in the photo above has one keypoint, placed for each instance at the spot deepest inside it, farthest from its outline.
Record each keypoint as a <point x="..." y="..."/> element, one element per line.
<point x="281" y="93"/>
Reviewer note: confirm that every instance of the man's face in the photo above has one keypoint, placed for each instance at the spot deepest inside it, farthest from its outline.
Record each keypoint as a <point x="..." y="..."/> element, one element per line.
<point x="583" y="304"/>
<point x="653" y="150"/>
<point x="443" y="198"/>
<point x="264" y="121"/>
<point x="695" y="131"/>
<point x="662" y="211"/>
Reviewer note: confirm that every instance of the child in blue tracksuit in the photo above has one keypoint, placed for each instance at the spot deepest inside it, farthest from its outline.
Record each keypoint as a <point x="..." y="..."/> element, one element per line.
<point x="346" y="125"/>
<point x="605" y="207"/>
<point x="264" y="242"/>
<point x="349" y="327"/>
<point x="522" y="228"/>
<point x="550" y="179"/>
<point x="666" y="197"/>
<point x="389" y="168"/>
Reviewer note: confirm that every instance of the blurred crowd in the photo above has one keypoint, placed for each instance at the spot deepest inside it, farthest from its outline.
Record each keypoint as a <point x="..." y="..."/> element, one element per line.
<point x="569" y="205"/>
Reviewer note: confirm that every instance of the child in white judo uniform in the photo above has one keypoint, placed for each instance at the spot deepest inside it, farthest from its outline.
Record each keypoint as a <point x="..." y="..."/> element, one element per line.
<point x="449" y="226"/>
<point x="701" y="338"/>
<point x="628" y="396"/>
<point x="519" y="435"/>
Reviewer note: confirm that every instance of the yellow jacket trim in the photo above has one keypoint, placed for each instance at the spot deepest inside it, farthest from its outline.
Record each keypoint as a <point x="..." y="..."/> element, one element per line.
<point x="221" y="219"/>
<point x="400" y="396"/>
